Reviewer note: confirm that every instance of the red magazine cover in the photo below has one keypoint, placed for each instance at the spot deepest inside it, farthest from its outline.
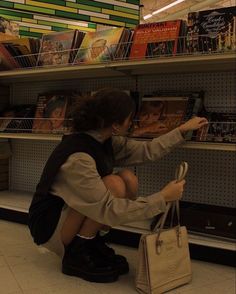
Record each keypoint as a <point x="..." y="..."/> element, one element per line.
<point x="153" y="39"/>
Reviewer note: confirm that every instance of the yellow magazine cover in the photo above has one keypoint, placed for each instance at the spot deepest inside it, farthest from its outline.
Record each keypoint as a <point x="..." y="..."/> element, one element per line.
<point x="99" y="46"/>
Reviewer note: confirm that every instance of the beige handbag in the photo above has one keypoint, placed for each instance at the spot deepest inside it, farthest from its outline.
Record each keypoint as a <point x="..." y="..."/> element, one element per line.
<point x="163" y="256"/>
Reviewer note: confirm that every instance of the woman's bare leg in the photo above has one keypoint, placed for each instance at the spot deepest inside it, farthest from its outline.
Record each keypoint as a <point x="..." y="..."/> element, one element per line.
<point x="76" y="223"/>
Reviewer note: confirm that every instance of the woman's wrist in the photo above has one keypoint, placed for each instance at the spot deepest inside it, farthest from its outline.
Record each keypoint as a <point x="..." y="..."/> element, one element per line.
<point x="182" y="129"/>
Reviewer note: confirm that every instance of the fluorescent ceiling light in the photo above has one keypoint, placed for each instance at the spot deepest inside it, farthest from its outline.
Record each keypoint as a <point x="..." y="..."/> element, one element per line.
<point x="163" y="9"/>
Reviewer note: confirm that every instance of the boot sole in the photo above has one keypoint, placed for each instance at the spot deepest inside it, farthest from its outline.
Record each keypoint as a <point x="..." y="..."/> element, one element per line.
<point x="97" y="278"/>
<point x="122" y="270"/>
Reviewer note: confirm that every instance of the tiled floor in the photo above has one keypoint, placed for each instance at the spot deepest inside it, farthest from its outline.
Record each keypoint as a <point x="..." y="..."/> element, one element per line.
<point x="26" y="269"/>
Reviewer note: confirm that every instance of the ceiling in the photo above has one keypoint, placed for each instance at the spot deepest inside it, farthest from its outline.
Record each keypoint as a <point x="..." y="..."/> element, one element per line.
<point x="180" y="10"/>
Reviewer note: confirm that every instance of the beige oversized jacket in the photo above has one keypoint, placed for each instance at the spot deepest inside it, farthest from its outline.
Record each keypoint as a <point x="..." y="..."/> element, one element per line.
<point x="82" y="188"/>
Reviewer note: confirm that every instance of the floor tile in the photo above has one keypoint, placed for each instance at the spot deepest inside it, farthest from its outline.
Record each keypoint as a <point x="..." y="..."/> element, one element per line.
<point x="28" y="269"/>
<point x="7" y="281"/>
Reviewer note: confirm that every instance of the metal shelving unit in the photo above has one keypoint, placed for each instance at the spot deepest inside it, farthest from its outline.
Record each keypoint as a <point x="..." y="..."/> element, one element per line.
<point x="213" y="72"/>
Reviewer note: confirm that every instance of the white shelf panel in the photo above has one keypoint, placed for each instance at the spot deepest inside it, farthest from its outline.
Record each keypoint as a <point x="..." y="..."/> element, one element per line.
<point x="143" y="227"/>
<point x="176" y="64"/>
<point x="190" y="145"/>
<point x="15" y="200"/>
<point x="210" y="146"/>
<point x="47" y="137"/>
<point x="20" y="201"/>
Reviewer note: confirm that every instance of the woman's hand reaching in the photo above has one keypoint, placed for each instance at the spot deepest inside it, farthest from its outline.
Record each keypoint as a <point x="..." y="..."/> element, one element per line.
<point x="194" y="123"/>
<point x="173" y="190"/>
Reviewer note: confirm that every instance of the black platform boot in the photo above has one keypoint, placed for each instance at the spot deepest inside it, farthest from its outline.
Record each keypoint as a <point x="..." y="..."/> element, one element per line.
<point x="117" y="261"/>
<point x="81" y="260"/>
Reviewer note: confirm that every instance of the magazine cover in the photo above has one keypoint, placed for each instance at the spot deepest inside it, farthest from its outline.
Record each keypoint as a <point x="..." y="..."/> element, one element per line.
<point x="8" y="27"/>
<point x="50" y="113"/>
<point x="221" y="128"/>
<point x="99" y="46"/>
<point x="17" y="118"/>
<point x="21" y="51"/>
<point x="159" y="115"/>
<point x="211" y="30"/>
<point x="155" y="39"/>
<point x="55" y="48"/>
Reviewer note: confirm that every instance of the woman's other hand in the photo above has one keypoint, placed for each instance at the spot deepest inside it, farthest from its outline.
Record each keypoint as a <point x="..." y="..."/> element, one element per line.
<point x="173" y="190"/>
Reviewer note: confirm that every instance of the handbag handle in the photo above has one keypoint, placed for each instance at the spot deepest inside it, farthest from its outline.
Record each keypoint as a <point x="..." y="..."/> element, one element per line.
<point x="180" y="174"/>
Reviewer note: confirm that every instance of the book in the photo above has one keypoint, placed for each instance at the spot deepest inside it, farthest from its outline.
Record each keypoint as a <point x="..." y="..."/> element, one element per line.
<point x="159" y="115"/>
<point x="211" y="30"/>
<point x="56" y="48"/>
<point x="99" y="46"/>
<point x="195" y="105"/>
<point x="23" y="51"/>
<point x="8" y="28"/>
<point x="156" y="39"/>
<point x="17" y="118"/>
<point x="7" y="61"/>
<point x="221" y="128"/>
<point x="52" y="112"/>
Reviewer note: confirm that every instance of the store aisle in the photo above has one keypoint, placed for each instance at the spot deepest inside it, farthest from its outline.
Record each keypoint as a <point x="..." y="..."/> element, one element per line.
<point x="26" y="269"/>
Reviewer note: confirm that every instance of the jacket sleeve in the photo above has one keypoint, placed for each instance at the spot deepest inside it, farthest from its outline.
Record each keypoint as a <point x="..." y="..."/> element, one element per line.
<point x="130" y="152"/>
<point x="81" y="187"/>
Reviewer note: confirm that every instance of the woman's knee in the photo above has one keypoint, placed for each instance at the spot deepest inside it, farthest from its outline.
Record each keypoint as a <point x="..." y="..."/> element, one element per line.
<point x="116" y="185"/>
<point x="131" y="182"/>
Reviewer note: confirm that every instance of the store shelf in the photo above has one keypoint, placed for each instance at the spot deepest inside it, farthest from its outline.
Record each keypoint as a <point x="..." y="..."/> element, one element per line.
<point x="142" y="227"/>
<point x="26" y="136"/>
<point x="189" y="63"/>
<point x="55" y="137"/>
<point x="210" y="146"/>
<point x="20" y="201"/>
<point x="15" y="200"/>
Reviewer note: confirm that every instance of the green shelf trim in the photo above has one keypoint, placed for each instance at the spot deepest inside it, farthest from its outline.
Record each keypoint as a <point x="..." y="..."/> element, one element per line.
<point x="15" y="13"/>
<point x="34" y="9"/>
<point x="30" y="34"/>
<point x="72" y="15"/>
<point x="124" y="19"/>
<point x="97" y="4"/>
<point x="52" y="23"/>
<point x="57" y="2"/>
<point x="127" y="10"/>
<point x="84" y="7"/>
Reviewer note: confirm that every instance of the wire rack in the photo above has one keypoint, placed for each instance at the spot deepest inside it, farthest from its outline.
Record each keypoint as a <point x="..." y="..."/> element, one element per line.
<point x="215" y="131"/>
<point x="35" y="125"/>
<point x="182" y="46"/>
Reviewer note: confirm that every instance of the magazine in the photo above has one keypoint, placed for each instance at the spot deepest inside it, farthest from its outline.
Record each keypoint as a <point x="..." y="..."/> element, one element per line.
<point x="99" y="46"/>
<point x="56" y="48"/>
<point x="159" y="115"/>
<point x="52" y="112"/>
<point x="211" y="30"/>
<point x="221" y="128"/>
<point x="8" y="28"/>
<point x="156" y="39"/>
<point x="17" y="118"/>
<point x="22" y="51"/>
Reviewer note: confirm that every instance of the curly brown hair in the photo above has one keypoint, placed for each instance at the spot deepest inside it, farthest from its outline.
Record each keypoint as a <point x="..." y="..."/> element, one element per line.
<point x="102" y="109"/>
